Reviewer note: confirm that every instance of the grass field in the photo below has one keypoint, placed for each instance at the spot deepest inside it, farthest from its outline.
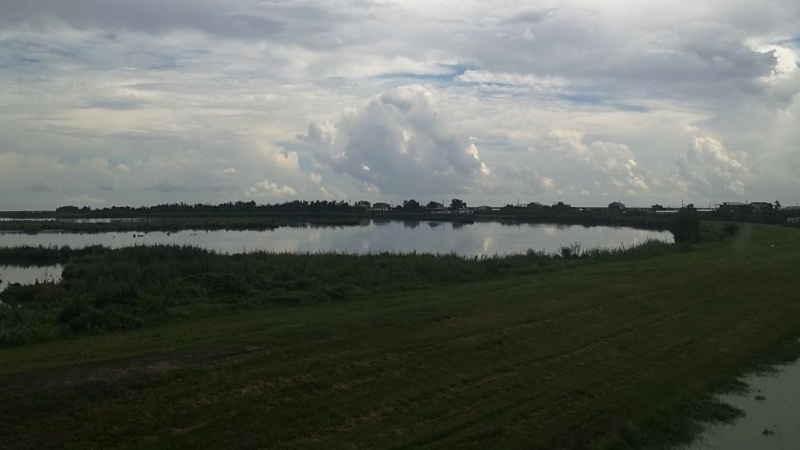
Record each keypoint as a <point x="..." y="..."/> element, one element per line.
<point x="612" y="355"/>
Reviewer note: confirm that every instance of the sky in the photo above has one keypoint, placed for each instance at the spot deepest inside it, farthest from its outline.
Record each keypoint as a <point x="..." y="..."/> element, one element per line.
<point x="118" y="102"/>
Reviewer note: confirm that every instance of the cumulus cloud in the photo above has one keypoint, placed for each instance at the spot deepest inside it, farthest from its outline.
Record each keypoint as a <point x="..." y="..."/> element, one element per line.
<point x="400" y="143"/>
<point x="279" y="159"/>
<point x="265" y="189"/>
<point x="122" y="168"/>
<point x="613" y="166"/>
<point x="127" y="93"/>
<point x="523" y="180"/>
<point x="712" y="170"/>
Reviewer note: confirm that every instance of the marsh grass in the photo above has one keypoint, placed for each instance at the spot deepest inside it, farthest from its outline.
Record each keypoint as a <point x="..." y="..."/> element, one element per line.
<point x="103" y="290"/>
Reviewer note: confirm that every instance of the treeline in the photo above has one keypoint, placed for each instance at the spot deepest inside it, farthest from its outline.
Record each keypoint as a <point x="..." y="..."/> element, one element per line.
<point x="763" y="213"/>
<point x="167" y="224"/>
<point x="201" y="209"/>
<point x="104" y="290"/>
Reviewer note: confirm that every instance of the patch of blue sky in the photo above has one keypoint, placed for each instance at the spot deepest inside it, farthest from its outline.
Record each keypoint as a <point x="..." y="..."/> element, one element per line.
<point x="446" y="76"/>
<point x="497" y="144"/>
<point x="599" y="100"/>
<point x="117" y="105"/>
<point x="792" y="42"/>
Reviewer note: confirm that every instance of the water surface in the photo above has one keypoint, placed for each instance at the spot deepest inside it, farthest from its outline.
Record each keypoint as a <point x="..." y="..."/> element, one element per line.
<point x="28" y="275"/>
<point x="777" y="411"/>
<point x="90" y="220"/>
<point x="480" y="238"/>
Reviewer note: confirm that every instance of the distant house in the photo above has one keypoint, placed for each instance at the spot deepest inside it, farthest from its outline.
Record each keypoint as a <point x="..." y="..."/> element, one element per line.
<point x="732" y="206"/>
<point x="793" y="221"/>
<point x="761" y="206"/>
<point x="535" y="205"/>
<point x="791" y="208"/>
<point x="435" y="206"/>
<point x="616" y="206"/>
<point x="363" y="204"/>
<point x="380" y="206"/>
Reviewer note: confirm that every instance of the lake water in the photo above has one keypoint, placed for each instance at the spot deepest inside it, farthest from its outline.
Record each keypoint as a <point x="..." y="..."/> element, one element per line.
<point x="778" y="412"/>
<point x="27" y="275"/>
<point x="480" y="238"/>
<point x="49" y="219"/>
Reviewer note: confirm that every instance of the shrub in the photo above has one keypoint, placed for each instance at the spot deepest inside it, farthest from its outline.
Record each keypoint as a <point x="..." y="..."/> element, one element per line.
<point x="686" y="227"/>
<point x="731" y="228"/>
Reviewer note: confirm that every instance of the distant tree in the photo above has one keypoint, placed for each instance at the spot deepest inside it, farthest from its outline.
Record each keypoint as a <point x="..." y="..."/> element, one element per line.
<point x="411" y="205"/>
<point x="561" y="206"/>
<point x="657" y="207"/>
<point x="777" y="205"/>
<point x="432" y="204"/>
<point x="457" y="204"/>
<point x="686" y="227"/>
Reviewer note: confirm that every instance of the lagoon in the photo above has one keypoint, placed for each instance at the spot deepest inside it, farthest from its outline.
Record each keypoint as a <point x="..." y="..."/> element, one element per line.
<point x="372" y="236"/>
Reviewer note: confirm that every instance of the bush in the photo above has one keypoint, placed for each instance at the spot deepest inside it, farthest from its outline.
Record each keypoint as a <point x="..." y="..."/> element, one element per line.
<point x="731" y="229"/>
<point x="686" y="227"/>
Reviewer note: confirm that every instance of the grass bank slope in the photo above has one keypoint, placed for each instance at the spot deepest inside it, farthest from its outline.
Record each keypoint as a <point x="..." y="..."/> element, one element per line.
<point x="555" y="360"/>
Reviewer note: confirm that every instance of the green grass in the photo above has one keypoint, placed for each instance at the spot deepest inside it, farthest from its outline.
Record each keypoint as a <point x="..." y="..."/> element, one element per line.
<point x="613" y="355"/>
<point x="104" y="290"/>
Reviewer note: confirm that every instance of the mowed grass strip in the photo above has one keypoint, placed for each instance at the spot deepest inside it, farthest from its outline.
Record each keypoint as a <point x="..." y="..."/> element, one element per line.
<point x="559" y="360"/>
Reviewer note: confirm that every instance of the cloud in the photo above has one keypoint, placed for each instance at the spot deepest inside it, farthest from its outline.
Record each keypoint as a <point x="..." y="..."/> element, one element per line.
<point x="40" y="188"/>
<point x="612" y="166"/>
<point x="512" y="79"/>
<point x="151" y="16"/>
<point x="122" y="168"/>
<point x="523" y="180"/>
<point x="399" y="143"/>
<point x="712" y="170"/>
<point x="278" y="159"/>
<point x="83" y="200"/>
<point x="332" y="195"/>
<point x="166" y="186"/>
<point x="128" y="93"/>
<point x="265" y="189"/>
